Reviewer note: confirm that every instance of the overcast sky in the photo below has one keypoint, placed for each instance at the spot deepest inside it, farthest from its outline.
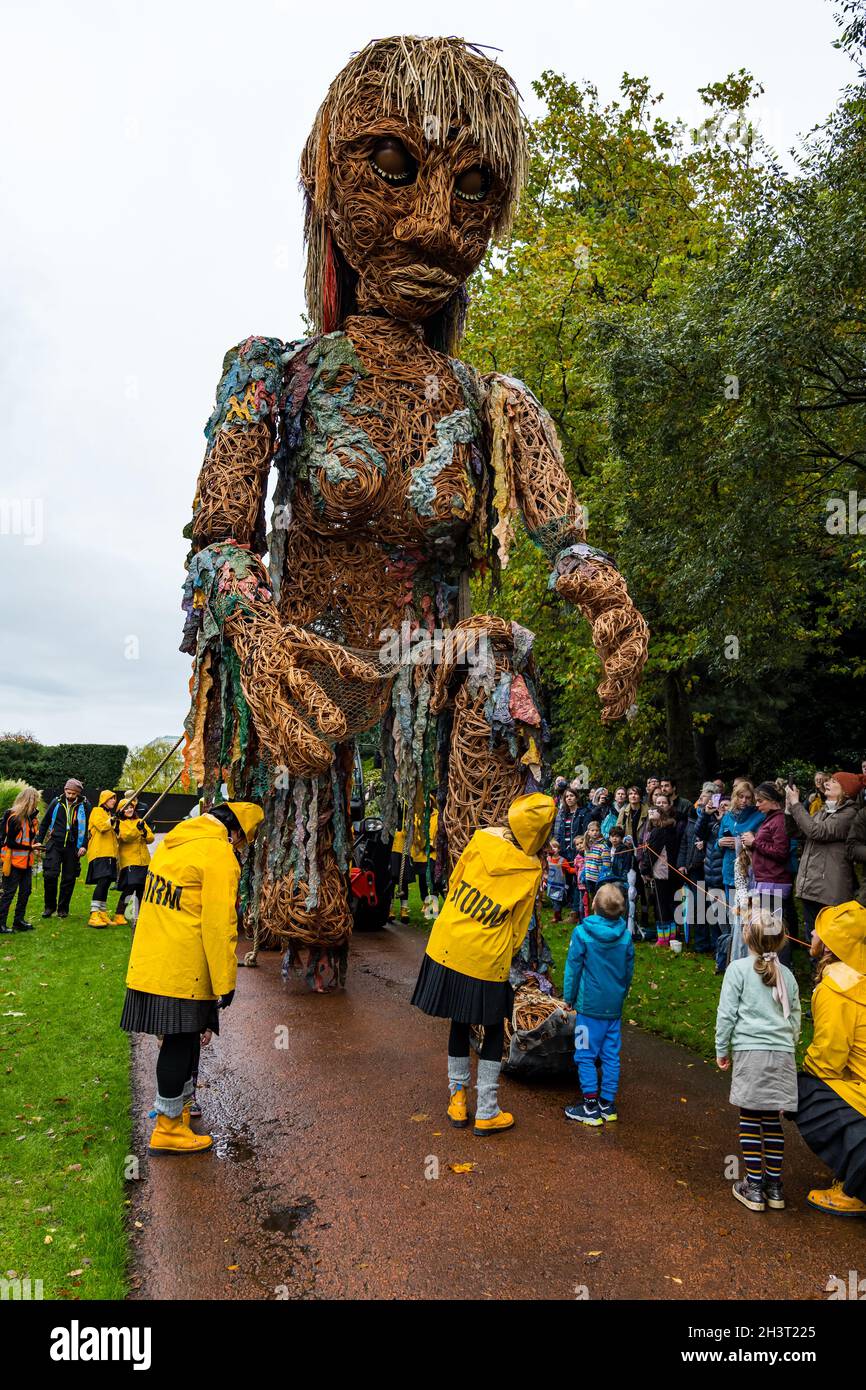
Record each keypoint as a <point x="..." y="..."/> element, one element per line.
<point x="150" y="219"/>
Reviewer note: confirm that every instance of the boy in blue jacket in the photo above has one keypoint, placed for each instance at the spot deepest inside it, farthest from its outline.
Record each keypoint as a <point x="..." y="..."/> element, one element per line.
<point x="598" y="974"/>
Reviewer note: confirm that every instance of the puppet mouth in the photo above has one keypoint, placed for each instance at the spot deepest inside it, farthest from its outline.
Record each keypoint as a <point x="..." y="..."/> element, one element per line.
<point x="425" y="281"/>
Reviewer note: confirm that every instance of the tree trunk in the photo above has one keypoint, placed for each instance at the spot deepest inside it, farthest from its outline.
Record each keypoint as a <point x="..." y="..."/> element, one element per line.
<point x="682" y="761"/>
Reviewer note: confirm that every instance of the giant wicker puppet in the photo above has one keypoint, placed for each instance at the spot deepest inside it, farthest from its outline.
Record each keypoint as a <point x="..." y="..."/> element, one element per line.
<point x="400" y="473"/>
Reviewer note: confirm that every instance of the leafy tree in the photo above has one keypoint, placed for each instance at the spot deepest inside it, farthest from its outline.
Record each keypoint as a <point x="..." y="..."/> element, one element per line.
<point x="692" y="317"/>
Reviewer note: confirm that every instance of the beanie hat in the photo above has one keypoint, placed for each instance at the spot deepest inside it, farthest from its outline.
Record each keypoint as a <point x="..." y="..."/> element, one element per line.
<point x="852" y="783"/>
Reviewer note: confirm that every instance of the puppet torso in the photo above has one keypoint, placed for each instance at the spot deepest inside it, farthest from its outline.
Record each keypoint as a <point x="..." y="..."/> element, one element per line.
<point x="387" y="484"/>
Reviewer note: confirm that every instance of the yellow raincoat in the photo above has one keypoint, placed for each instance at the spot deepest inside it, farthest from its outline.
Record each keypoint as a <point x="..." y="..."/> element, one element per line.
<point x="186" y="934"/>
<point x="838" y="1051"/>
<point x="131" y="844"/>
<point x="491" y="894"/>
<point x="101" y="838"/>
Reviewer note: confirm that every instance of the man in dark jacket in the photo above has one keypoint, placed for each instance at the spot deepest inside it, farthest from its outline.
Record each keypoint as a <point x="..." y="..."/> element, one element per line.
<point x="64" y="838"/>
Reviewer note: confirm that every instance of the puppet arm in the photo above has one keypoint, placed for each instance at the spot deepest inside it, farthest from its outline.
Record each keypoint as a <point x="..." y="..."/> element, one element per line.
<point x="227" y="596"/>
<point x="530" y="477"/>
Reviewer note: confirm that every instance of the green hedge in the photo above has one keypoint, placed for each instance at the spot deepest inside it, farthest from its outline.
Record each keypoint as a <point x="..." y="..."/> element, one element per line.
<point x="47" y="767"/>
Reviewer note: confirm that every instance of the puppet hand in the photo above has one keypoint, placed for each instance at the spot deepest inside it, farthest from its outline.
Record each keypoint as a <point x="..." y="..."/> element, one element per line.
<point x="284" y="669"/>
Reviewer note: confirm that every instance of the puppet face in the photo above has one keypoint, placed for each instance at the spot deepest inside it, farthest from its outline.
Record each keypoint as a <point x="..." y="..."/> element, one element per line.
<point x="412" y="216"/>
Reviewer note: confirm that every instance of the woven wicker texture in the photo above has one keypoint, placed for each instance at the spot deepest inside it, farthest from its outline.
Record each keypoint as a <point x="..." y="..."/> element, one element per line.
<point x="401" y="470"/>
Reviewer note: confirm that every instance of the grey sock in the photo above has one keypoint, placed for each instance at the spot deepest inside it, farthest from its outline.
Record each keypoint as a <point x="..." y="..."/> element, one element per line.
<point x="459" y="1075"/>
<point x="488" y="1089"/>
<point x="171" y="1106"/>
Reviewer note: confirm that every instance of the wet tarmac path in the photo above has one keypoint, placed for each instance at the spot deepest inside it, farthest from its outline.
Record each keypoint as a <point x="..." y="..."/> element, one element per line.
<point x="329" y="1126"/>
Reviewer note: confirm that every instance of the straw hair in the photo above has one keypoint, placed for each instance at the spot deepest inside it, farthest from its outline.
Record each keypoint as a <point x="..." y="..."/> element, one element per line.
<point x="435" y="81"/>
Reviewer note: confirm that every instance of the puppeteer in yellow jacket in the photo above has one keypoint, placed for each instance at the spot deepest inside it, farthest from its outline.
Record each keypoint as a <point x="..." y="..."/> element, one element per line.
<point x="186" y="934"/>
<point x="183" y="967"/>
<point x="101" y="834"/>
<point x="837" y="1053"/>
<point x="464" y="974"/>
<point x="491" y="894"/>
<point x="132" y="843"/>
<point x="834" y="1125"/>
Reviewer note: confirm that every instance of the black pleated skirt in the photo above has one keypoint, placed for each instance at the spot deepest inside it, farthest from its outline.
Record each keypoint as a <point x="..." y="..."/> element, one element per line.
<point x="100" y="869"/>
<point x="161" y="1014"/>
<point x="835" y="1131"/>
<point x="445" y="993"/>
<point x="133" y="876"/>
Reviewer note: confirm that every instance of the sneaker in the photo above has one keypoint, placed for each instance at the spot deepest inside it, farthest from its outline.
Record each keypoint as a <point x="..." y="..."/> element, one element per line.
<point x="5" y="931"/>
<point x="751" y="1194"/>
<point x="773" y="1193"/>
<point x="607" y="1110"/>
<point x="586" y="1113"/>
<point x="22" y="926"/>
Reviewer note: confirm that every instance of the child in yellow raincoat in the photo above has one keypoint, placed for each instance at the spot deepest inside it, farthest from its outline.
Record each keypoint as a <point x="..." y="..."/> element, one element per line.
<point x="831" y="1113"/>
<point x="102" y="855"/>
<point x="183" y="966"/>
<point x="464" y="974"/>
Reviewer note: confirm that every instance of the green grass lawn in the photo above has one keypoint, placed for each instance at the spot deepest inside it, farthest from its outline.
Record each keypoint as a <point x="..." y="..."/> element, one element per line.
<point x="64" y="1103"/>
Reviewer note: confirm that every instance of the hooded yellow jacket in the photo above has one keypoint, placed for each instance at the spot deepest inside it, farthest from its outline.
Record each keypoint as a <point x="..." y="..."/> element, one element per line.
<point x="838" y="1051"/>
<point x="491" y="894"/>
<point x="101" y="838"/>
<point x="131" y="844"/>
<point x="186" y="934"/>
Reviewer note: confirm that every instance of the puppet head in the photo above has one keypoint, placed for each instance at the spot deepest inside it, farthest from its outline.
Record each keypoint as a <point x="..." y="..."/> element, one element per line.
<point x="415" y="161"/>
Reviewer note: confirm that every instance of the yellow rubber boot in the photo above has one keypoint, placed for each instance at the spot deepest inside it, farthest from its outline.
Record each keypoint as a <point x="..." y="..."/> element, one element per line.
<point x="118" y="920"/>
<point x="835" y="1202"/>
<point x="488" y="1100"/>
<point x="457" y="1111"/>
<point x="174" y="1137"/>
<point x="97" y="919"/>
<point x="404" y="912"/>
<point x="499" y="1122"/>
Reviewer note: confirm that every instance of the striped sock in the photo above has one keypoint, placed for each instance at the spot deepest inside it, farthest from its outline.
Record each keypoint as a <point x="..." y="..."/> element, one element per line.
<point x="750" y="1143"/>
<point x="774" y="1144"/>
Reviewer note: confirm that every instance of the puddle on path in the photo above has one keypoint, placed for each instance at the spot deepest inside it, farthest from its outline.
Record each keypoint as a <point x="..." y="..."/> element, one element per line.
<point x="287" y="1219"/>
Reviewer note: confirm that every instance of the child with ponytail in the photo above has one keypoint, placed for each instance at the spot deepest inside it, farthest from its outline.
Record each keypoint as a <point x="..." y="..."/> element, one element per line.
<point x="758" y="1024"/>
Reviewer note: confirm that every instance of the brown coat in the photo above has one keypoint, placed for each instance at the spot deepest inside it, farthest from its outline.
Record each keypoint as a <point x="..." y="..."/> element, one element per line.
<point x="825" y="874"/>
<point x="856" y="849"/>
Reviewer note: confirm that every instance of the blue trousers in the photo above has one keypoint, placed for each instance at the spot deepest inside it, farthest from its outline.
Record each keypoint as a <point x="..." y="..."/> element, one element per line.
<point x="598" y="1039"/>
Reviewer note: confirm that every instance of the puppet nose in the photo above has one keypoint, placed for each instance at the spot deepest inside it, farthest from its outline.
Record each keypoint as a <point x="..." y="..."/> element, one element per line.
<point x="428" y="226"/>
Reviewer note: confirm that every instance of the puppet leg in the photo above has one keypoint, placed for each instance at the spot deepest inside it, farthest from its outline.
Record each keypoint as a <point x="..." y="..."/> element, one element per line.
<point x="300" y="895"/>
<point x="491" y="730"/>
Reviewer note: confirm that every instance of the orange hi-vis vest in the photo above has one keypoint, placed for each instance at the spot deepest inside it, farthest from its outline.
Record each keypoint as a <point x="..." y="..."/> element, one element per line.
<point x="19" y="846"/>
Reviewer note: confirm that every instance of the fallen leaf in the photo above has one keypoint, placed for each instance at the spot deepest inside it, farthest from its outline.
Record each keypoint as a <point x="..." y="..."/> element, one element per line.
<point x="594" y="1252"/>
<point x="418" y="1119"/>
<point x="139" y="1225"/>
<point x="49" y="1240"/>
<point x="461" y="1167"/>
<point x="232" y="1268"/>
<point x="73" y="1273"/>
<point x="681" y="1183"/>
<point x="675" y="1280"/>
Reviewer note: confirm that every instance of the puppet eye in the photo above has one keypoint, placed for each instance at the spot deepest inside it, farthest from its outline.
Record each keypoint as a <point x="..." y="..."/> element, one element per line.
<point x="392" y="161"/>
<point x="473" y="184"/>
